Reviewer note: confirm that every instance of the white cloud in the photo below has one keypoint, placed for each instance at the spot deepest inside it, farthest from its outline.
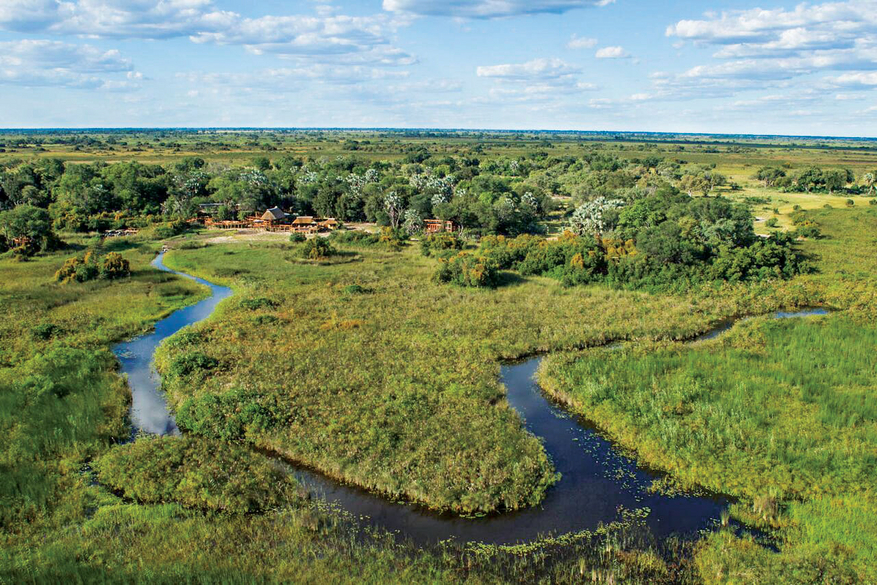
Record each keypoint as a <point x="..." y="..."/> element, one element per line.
<point x="323" y="35"/>
<point x="861" y="80"/>
<point x="537" y="69"/>
<point x="765" y="26"/>
<point x="40" y="63"/>
<point x="366" y="38"/>
<point x="772" y="48"/>
<point x="612" y="53"/>
<point x="151" y="19"/>
<point x="488" y="8"/>
<point x="577" y="42"/>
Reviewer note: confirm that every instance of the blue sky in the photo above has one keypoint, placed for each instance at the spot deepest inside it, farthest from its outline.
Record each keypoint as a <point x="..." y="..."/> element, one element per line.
<point x="761" y="67"/>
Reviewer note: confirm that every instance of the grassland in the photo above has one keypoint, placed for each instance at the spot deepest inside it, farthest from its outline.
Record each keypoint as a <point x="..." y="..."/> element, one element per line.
<point x="392" y="385"/>
<point x="395" y="388"/>
<point x="778" y="413"/>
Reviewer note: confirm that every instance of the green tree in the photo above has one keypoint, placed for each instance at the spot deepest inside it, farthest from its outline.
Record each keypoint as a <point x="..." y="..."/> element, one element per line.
<point x="32" y="226"/>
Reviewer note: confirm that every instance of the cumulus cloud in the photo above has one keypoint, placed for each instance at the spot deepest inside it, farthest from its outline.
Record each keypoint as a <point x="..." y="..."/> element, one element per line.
<point x="765" y="26"/>
<point x="41" y="63"/>
<point x="150" y="19"/>
<point x="488" y="8"/>
<point x="537" y="69"/>
<point x="770" y="48"/>
<point x="577" y="42"/>
<point x="364" y="38"/>
<point x="324" y="35"/>
<point x="861" y="80"/>
<point x="612" y="53"/>
<point x="538" y="80"/>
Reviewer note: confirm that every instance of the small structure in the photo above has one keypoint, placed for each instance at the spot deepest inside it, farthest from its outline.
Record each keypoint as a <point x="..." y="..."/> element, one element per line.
<point x="273" y="216"/>
<point x="432" y="226"/>
<point x="305" y="224"/>
<point x="121" y="233"/>
<point x="329" y="224"/>
<point x="21" y="242"/>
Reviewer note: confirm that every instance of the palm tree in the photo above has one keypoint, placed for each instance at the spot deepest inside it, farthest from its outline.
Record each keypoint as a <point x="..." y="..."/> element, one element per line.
<point x="869" y="179"/>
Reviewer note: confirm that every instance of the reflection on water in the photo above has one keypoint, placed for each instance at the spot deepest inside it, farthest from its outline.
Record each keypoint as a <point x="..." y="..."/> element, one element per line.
<point x="597" y="480"/>
<point x="149" y="411"/>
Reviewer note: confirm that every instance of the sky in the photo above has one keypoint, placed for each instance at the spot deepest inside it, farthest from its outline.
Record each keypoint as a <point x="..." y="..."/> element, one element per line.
<point x="712" y="66"/>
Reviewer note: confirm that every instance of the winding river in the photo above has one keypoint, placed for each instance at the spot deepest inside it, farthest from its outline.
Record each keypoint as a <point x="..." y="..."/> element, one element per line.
<point x="597" y="479"/>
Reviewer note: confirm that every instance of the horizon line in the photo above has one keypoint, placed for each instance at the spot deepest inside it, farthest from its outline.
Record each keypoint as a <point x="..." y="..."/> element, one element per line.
<point x="36" y="130"/>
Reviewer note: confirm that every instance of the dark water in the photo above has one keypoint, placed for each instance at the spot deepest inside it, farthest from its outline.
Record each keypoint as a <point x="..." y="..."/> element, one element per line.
<point x="597" y="480"/>
<point x="149" y="411"/>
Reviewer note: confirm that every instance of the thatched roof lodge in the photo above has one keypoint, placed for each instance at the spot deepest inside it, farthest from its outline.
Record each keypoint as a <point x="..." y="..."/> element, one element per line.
<point x="274" y="215"/>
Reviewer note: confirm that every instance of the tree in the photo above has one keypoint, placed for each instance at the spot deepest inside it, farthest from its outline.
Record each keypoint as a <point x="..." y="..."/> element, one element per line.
<point x="32" y="226"/>
<point x="835" y="180"/>
<point x="413" y="222"/>
<point x="393" y="207"/>
<point x="591" y="218"/>
<point x="692" y="183"/>
<point x="868" y="180"/>
<point x="769" y="175"/>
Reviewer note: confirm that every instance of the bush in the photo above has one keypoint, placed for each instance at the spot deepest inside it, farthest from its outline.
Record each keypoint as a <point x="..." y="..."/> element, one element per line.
<point x="508" y="252"/>
<point x="850" y="203"/>
<point x="772" y="222"/>
<point x="91" y="266"/>
<point x="258" y="303"/>
<point x="809" y="229"/>
<point x="45" y="331"/>
<point x="297" y="238"/>
<point x="465" y="269"/>
<point x="192" y="363"/>
<point x="171" y="229"/>
<point x="196" y="473"/>
<point x="354" y="238"/>
<point x="440" y="242"/>
<point x="114" y="266"/>
<point x="317" y="249"/>
<point x="232" y="416"/>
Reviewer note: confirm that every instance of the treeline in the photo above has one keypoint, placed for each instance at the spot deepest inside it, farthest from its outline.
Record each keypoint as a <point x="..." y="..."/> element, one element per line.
<point x="661" y="239"/>
<point x="816" y="180"/>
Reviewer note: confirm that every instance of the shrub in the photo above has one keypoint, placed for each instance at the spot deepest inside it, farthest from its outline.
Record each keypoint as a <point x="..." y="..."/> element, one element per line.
<point x="196" y="473"/>
<point x="297" y="238"/>
<point x="469" y="270"/>
<point x="354" y="289"/>
<point x="231" y="416"/>
<point x="354" y="238"/>
<point x="809" y="229"/>
<point x="171" y="229"/>
<point x="850" y="203"/>
<point x="440" y="242"/>
<point x="45" y="331"/>
<point x="258" y="303"/>
<point x="114" y="266"/>
<point x="772" y="222"/>
<point x="91" y="266"/>
<point x="873" y="202"/>
<point x="191" y="363"/>
<point x="505" y="252"/>
<point x="78" y="269"/>
<point x="393" y="239"/>
<point x="317" y="249"/>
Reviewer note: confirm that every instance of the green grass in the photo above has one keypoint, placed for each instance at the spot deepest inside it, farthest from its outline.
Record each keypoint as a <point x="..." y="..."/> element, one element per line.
<point x="396" y="390"/>
<point x="393" y="386"/>
<point x="778" y="413"/>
